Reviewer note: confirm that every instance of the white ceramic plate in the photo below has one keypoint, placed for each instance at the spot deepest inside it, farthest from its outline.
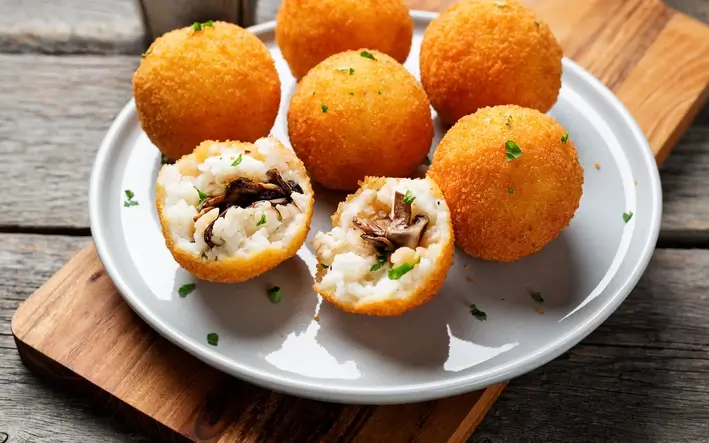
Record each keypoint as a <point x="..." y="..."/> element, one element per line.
<point x="437" y="350"/>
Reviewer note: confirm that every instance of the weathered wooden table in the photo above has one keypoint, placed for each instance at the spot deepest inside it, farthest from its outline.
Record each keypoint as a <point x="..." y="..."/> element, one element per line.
<point x="643" y="376"/>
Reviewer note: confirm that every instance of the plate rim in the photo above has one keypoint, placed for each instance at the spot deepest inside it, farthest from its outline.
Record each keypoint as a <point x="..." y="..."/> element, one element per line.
<point x="381" y="395"/>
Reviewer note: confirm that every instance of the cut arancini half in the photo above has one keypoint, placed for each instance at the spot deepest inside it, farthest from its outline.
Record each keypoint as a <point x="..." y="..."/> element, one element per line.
<point x="389" y="250"/>
<point x="231" y="211"/>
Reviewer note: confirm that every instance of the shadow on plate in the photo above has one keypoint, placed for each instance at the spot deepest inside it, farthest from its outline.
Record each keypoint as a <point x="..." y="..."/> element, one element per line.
<point x="246" y="310"/>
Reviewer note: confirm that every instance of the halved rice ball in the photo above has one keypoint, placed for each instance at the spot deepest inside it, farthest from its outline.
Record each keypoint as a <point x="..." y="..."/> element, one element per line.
<point x="231" y="210"/>
<point x="389" y="250"/>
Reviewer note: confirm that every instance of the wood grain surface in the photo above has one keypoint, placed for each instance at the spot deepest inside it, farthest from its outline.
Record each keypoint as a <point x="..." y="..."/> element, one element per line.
<point x="648" y="387"/>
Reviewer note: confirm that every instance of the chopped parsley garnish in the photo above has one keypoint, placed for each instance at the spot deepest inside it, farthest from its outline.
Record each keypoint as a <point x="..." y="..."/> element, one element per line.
<point x="351" y="93"/>
<point x="324" y="108"/>
<point x="324" y="266"/>
<point x="274" y="294"/>
<point x="537" y="296"/>
<point x="510" y="191"/>
<point x="197" y="26"/>
<point x="477" y="313"/>
<point x="381" y="262"/>
<point x="184" y="290"/>
<point x="202" y="195"/>
<point x="513" y="151"/>
<point x="238" y="160"/>
<point x="399" y="271"/>
<point x="427" y="161"/>
<point x="213" y="338"/>
<point x="500" y="4"/>
<point x="409" y="197"/>
<point x="367" y="54"/>
<point x="507" y="121"/>
<point x="627" y="216"/>
<point x="129" y="199"/>
<point x="564" y="137"/>
<point x="262" y="220"/>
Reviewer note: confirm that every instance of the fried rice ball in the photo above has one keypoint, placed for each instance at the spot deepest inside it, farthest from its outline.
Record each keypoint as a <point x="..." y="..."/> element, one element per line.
<point x="309" y="31"/>
<point x="359" y="113"/>
<point x="231" y="211"/>
<point x="389" y="250"/>
<point x="218" y="82"/>
<point x="505" y="204"/>
<point x="482" y="53"/>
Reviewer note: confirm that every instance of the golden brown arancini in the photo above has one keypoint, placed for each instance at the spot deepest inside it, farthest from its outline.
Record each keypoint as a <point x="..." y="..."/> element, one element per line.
<point x="481" y="53"/>
<point x="208" y="195"/>
<point x="353" y="116"/>
<point x="396" y="270"/>
<point x="504" y="209"/>
<point x="309" y="31"/>
<point x="217" y="83"/>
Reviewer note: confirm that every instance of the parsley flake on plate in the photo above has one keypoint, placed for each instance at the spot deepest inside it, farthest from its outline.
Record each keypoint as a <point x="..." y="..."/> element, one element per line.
<point x="324" y="108"/>
<point x="367" y="54"/>
<point x="513" y="151"/>
<point x="129" y="199"/>
<point x="409" y="197"/>
<point x="185" y="289"/>
<point x="565" y="138"/>
<point x="627" y="216"/>
<point x="537" y="296"/>
<point x="238" y="160"/>
<point x="213" y="338"/>
<point x="510" y="191"/>
<point x="324" y="266"/>
<point x="262" y="220"/>
<point x="477" y="313"/>
<point x="507" y="121"/>
<point x="274" y="294"/>
<point x="399" y="271"/>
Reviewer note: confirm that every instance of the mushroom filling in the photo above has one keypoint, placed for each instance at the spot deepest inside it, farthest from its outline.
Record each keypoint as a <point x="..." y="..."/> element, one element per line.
<point x="396" y="230"/>
<point x="244" y="193"/>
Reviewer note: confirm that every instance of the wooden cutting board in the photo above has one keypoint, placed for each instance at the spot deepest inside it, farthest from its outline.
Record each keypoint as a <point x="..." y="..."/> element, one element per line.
<point x="77" y="331"/>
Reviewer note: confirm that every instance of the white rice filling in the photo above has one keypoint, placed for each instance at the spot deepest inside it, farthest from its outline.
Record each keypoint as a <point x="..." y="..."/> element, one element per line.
<point x="241" y="231"/>
<point x="349" y="258"/>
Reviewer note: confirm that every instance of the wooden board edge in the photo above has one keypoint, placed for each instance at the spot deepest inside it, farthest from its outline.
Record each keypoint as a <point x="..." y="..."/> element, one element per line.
<point x="477" y="413"/>
<point x="73" y="384"/>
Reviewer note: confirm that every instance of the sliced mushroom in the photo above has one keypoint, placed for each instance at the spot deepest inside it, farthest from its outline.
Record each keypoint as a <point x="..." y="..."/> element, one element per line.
<point x="408" y="236"/>
<point x="381" y="244"/>
<point x="208" y="230"/>
<point x="401" y="211"/>
<point x="244" y="192"/>
<point x="395" y="231"/>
